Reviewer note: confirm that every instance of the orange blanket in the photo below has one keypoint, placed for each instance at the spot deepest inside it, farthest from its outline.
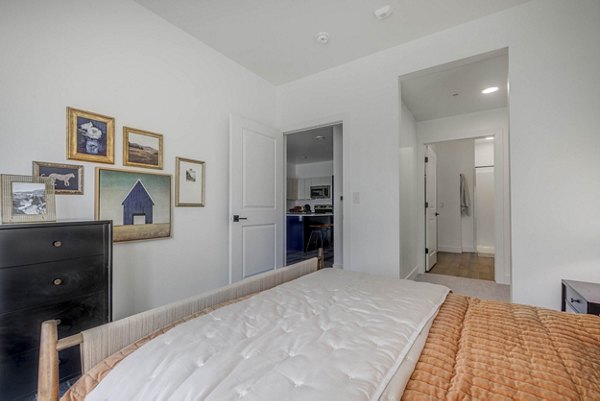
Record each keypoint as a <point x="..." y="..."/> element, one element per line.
<point x="486" y="350"/>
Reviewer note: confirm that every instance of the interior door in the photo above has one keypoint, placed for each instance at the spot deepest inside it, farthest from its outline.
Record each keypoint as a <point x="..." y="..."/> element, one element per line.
<point x="430" y="208"/>
<point x="256" y="198"/>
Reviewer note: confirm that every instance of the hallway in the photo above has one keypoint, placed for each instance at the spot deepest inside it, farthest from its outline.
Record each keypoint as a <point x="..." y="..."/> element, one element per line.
<point x="466" y="264"/>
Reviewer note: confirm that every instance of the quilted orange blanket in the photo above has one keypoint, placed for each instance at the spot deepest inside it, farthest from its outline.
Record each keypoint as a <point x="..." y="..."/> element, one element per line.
<point x="486" y="350"/>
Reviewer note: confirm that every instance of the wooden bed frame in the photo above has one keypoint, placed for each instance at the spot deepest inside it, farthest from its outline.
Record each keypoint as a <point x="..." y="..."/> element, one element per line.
<point x="100" y="342"/>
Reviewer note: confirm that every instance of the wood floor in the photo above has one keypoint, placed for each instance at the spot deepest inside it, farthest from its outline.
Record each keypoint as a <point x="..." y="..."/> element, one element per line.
<point x="464" y="264"/>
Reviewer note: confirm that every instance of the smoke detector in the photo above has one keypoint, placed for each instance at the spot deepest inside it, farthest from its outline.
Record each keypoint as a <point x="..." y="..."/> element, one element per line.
<point x="322" y="37"/>
<point x="383" y="12"/>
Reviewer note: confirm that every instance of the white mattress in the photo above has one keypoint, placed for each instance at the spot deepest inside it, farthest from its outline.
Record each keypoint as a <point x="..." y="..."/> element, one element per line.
<point x="330" y="335"/>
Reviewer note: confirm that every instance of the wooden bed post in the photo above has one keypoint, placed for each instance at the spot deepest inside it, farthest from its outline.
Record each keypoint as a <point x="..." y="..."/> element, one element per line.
<point x="48" y="367"/>
<point x="321" y="259"/>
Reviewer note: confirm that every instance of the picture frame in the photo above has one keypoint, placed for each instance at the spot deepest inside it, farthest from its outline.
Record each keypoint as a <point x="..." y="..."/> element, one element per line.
<point x="138" y="203"/>
<point x="27" y="199"/>
<point x="90" y="136"/>
<point x="142" y="148"/>
<point x="190" y="182"/>
<point x="68" y="178"/>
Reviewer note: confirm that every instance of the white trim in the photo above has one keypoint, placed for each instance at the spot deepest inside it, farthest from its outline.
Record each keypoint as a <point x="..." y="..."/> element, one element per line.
<point x="469" y="249"/>
<point x="413" y="273"/>
<point x="450" y="249"/>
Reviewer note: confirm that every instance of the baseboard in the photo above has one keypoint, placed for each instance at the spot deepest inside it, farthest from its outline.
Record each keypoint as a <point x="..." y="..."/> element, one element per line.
<point x="469" y="249"/>
<point x="450" y="249"/>
<point x="337" y="266"/>
<point x="413" y="273"/>
<point x="484" y="250"/>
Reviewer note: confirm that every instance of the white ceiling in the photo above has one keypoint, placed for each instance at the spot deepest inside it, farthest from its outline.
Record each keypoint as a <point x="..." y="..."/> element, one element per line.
<point x="429" y="94"/>
<point x="303" y="147"/>
<point x="275" y="38"/>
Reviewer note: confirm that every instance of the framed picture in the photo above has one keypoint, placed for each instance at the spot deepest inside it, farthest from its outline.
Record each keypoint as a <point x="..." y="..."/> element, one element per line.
<point x="142" y="148"/>
<point x="138" y="203"/>
<point x="68" y="178"/>
<point x="27" y="199"/>
<point x="90" y="136"/>
<point x="190" y="182"/>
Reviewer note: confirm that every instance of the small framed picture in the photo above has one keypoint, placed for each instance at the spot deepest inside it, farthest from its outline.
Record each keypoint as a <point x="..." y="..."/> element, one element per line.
<point x="190" y="182"/>
<point x="142" y="148"/>
<point x="138" y="203"/>
<point x="90" y="136"/>
<point x="27" y="199"/>
<point x="68" y="178"/>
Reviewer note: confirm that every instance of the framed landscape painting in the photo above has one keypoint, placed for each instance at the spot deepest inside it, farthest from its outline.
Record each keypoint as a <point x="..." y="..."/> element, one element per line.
<point x="138" y="203"/>
<point x="190" y="181"/>
<point x="90" y="136"/>
<point x="142" y="148"/>
<point x="27" y="199"/>
<point x="68" y="178"/>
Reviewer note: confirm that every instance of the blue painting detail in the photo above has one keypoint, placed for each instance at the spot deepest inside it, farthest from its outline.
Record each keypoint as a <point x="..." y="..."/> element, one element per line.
<point x="91" y="136"/>
<point x="137" y="203"/>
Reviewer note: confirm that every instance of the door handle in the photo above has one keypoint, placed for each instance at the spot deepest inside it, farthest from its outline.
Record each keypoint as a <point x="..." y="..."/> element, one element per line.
<point x="437" y="214"/>
<point x="237" y="218"/>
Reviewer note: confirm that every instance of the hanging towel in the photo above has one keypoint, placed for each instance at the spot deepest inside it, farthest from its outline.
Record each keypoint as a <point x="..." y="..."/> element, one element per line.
<point x="464" y="197"/>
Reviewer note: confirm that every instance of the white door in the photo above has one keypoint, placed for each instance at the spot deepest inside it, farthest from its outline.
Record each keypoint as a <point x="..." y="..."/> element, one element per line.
<point x="256" y="198"/>
<point x="430" y="208"/>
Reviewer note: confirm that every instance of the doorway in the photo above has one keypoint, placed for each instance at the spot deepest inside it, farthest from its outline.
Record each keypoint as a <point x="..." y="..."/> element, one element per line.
<point x="448" y="111"/>
<point x="314" y="187"/>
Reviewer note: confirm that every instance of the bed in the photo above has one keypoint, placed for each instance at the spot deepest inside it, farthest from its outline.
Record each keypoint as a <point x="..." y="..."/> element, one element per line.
<point x="301" y="334"/>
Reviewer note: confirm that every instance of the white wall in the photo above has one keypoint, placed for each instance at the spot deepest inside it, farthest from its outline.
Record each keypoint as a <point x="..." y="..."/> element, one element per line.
<point x="116" y="58"/>
<point x="455" y="231"/>
<point x="314" y="170"/>
<point x="553" y="64"/>
<point x="409" y="215"/>
<point x="484" y="205"/>
<point x="484" y="152"/>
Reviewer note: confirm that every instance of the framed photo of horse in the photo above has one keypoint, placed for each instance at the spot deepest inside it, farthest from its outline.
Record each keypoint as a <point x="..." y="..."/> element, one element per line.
<point x="68" y="178"/>
<point x="90" y="136"/>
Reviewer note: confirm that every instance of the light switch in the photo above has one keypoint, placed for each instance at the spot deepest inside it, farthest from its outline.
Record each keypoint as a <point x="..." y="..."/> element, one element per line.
<point x="356" y="198"/>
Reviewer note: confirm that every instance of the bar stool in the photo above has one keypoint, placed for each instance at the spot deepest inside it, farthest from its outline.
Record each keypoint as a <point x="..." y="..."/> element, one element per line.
<point x="320" y="232"/>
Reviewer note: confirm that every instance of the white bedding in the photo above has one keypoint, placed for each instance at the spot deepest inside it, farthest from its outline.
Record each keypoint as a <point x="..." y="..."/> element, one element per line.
<point x="330" y="335"/>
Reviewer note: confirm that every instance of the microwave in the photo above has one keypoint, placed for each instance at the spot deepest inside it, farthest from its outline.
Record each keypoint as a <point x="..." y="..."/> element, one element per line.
<point x="320" y="192"/>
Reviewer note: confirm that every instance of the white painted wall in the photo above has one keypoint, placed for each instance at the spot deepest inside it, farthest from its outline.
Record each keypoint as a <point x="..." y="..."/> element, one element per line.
<point x="484" y="199"/>
<point x="455" y="231"/>
<point x="409" y="215"/>
<point x="116" y="58"/>
<point x="484" y="152"/>
<point x="553" y="64"/>
<point x="314" y="170"/>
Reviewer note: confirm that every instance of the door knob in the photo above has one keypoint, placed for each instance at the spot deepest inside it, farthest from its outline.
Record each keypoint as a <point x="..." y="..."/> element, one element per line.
<point x="237" y="218"/>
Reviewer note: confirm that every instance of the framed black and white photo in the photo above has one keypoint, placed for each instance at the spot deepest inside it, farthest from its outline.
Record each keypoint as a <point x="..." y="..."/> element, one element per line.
<point x="27" y="199"/>
<point x="142" y="148"/>
<point x="190" y="182"/>
<point x="68" y="178"/>
<point x="90" y="136"/>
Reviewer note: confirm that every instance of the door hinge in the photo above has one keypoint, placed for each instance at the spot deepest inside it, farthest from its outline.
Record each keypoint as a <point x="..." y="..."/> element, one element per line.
<point x="426" y="205"/>
<point x="426" y="250"/>
<point x="426" y="159"/>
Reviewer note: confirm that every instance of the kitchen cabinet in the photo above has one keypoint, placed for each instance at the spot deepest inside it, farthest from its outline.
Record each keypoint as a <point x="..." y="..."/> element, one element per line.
<point x="299" y="188"/>
<point x="292" y="188"/>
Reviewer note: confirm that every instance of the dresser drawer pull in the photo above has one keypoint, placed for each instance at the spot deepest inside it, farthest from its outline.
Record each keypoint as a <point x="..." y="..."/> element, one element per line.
<point x="57" y="244"/>
<point x="577" y="301"/>
<point x="57" y="281"/>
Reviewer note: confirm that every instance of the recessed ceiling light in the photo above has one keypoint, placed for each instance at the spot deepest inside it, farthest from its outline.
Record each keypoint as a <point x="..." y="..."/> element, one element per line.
<point x="489" y="138"/>
<point x="322" y="37"/>
<point x="319" y="137"/>
<point x="383" y="12"/>
<point x="491" y="89"/>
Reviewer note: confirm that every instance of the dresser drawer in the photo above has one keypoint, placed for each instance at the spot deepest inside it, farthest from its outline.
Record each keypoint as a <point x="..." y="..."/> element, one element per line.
<point x="20" y="331"/>
<point x="21" y="246"/>
<point x="49" y="283"/>
<point x="575" y="301"/>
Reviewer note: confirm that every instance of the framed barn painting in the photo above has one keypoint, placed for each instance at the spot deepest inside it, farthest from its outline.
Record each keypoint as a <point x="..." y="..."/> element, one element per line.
<point x="90" y="136"/>
<point x="138" y="203"/>
<point x="27" y="199"/>
<point x="190" y="181"/>
<point x="68" y="178"/>
<point x="142" y="148"/>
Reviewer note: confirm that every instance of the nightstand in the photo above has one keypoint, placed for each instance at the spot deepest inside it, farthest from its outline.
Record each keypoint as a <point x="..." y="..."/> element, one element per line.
<point x="580" y="297"/>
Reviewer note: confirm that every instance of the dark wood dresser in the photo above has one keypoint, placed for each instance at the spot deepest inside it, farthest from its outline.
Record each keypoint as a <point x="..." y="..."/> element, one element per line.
<point x="581" y="297"/>
<point x="59" y="271"/>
